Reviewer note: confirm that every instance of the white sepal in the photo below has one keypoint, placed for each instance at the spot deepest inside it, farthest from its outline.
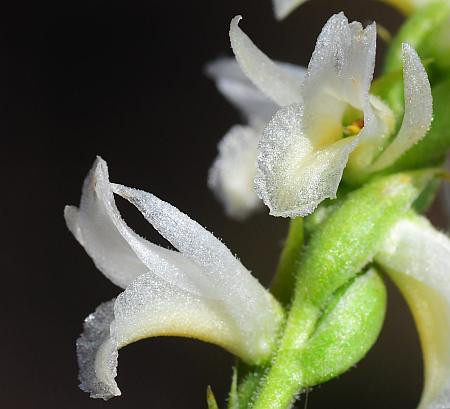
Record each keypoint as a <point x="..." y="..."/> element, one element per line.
<point x="278" y="84"/>
<point x="117" y="251"/>
<point x="255" y="106"/>
<point x="417" y="257"/>
<point x="418" y="109"/>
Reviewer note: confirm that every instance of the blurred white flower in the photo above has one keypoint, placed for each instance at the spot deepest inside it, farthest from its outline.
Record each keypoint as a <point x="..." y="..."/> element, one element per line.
<point x="305" y="147"/>
<point x="200" y="291"/>
<point x="417" y="257"/>
<point x="232" y="174"/>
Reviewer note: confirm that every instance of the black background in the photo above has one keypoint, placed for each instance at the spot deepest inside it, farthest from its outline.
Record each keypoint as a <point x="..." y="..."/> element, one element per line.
<point x="124" y="80"/>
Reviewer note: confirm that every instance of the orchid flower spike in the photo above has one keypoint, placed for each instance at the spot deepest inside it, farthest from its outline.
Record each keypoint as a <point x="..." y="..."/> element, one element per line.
<point x="232" y="174"/>
<point x="417" y="257"/>
<point x="307" y="144"/>
<point x="200" y="291"/>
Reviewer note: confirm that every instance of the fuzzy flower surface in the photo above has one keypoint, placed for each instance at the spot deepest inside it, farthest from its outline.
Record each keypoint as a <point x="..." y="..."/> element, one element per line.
<point x="200" y="290"/>
<point x="331" y="120"/>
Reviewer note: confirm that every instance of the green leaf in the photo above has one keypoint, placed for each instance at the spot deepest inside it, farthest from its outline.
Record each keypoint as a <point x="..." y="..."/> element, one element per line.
<point x="210" y="399"/>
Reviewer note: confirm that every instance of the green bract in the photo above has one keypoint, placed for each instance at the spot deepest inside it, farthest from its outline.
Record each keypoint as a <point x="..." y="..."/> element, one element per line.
<point x="327" y="282"/>
<point x="345" y="331"/>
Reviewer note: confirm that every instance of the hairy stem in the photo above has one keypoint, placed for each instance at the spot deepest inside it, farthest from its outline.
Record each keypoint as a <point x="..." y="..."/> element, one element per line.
<point x="283" y="282"/>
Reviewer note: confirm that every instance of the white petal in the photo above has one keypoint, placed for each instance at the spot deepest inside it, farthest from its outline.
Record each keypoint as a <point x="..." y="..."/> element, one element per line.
<point x="232" y="174"/>
<point x="418" y="259"/>
<point x="229" y="280"/>
<point x="339" y="74"/>
<point x="151" y="307"/>
<point x="418" y="109"/>
<point x="240" y="91"/>
<point x="282" y="87"/>
<point x="293" y="177"/>
<point x="116" y="250"/>
<point x="283" y="8"/>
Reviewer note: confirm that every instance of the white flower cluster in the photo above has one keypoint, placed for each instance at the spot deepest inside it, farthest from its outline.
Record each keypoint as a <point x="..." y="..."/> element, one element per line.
<point x="303" y="150"/>
<point x="296" y="145"/>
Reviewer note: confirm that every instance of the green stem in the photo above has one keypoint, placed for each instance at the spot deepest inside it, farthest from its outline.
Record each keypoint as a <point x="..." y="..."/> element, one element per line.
<point x="282" y="288"/>
<point x="283" y="282"/>
<point x="284" y="379"/>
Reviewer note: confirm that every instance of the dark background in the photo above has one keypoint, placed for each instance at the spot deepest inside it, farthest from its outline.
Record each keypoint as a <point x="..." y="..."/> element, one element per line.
<point x="124" y="80"/>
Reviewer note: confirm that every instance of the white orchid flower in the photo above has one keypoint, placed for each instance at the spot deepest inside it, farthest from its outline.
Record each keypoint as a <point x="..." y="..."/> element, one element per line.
<point x="232" y="174"/>
<point x="417" y="257"/>
<point x="306" y="146"/>
<point x="200" y="291"/>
